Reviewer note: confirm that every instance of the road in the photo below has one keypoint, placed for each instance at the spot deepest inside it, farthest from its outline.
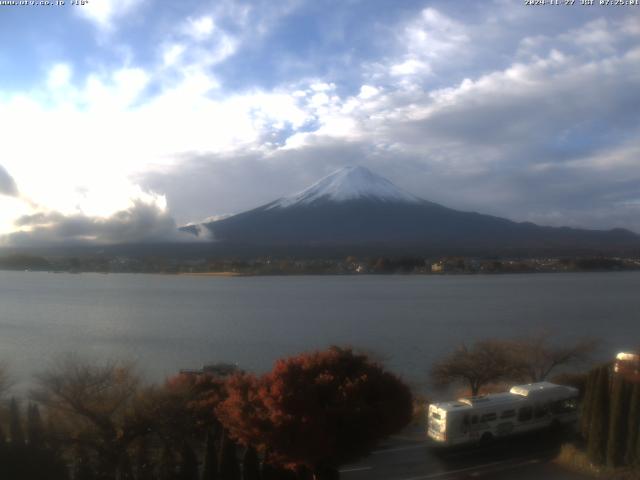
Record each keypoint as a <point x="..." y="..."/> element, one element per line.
<point x="411" y="457"/>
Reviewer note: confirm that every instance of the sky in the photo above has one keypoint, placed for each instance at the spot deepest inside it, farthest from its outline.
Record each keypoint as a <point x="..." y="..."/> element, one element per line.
<point x="122" y="119"/>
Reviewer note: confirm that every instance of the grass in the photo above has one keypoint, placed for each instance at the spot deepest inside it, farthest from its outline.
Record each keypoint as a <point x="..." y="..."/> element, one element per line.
<point x="574" y="458"/>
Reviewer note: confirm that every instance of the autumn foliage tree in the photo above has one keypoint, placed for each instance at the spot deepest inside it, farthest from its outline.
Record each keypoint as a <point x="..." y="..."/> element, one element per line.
<point x="316" y="411"/>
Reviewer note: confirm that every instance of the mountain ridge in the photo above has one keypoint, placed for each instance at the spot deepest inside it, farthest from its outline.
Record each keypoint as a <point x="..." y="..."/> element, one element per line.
<point x="354" y="206"/>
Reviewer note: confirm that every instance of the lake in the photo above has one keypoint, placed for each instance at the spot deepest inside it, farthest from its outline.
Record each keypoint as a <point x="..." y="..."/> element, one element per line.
<point x="166" y="322"/>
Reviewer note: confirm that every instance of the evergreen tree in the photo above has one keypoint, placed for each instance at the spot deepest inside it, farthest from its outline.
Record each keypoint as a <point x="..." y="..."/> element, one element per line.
<point x="587" y="403"/>
<point x="633" y="426"/>
<point x="143" y="466"/>
<point x="125" y="470"/>
<point x="228" y="459"/>
<point x="35" y="429"/>
<point x="3" y="439"/>
<point x="188" y="463"/>
<point x="598" y="429"/>
<point x="210" y="462"/>
<point x="167" y="465"/>
<point x="250" y="465"/>
<point x="83" y="468"/>
<point x="617" y="436"/>
<point x="15" y="424"/>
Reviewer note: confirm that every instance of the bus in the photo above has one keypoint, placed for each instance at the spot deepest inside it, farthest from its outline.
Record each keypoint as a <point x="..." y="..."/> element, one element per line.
<point x="522" y="409"/>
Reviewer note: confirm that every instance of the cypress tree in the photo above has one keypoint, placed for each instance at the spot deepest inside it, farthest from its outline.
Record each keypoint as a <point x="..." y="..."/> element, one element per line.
<point x="35" y="429"/>
<point x="143" y="466"/>
<point x="587" y="403"/>
<point x="617" y="435"/>
<point x="210" y="462"/>
<point x="167" y="465"/>
<point x="250" y="465"/>
<point x="188" y="463"/>
<point x="269" y="472"/>
<point x="125" y="470"/>
<point x="3" y="439"/>
<point x="598" y="430"/>
<point x="228" y="459"/>
<point x="15" y="424"/>
<point x="633" y="425"/>
<point x="83" y="469"/>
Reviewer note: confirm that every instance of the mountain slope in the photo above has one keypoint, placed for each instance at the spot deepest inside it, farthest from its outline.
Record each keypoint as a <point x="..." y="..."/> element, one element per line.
<point x="354" y="206"/>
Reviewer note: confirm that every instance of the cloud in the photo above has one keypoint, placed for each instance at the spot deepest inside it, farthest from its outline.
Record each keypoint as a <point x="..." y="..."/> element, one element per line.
<point x="103" y="13"/>
<point x="502" y="142"/>
<point x="7" y="184"/>
<point x="141" y="223"/>
<point x="529" y="116"/>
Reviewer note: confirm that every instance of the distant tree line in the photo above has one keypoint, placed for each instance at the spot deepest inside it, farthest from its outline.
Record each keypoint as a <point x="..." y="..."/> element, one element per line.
<point x="302" y="420"/>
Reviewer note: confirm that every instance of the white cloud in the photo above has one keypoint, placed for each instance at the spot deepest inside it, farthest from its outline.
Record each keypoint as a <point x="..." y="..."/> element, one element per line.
<point x="59" y="76"/>
<point x="103" y="13"/>
<point x="200" y="28"/>
<point x="172" y="53"/>
<point x="462" y="142"/>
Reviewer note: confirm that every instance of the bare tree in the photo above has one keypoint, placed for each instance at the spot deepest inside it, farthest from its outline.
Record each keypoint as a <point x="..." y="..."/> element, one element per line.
<point x="484" y="362"/>
<point x="537" y="356"/>
<point x="93" y="407"/>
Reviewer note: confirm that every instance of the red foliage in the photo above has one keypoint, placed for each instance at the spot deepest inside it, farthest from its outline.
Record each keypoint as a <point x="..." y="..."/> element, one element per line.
<point x="316" y="410"/>
<point x="202" y="392"/>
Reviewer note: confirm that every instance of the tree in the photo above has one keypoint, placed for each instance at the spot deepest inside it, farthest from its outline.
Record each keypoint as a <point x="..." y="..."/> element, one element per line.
<point x="536" y="357"/>
<point x="188" y="463"/>
<point x="617" y="436"/>
<point x="250" y="464"/>
<point x="598" y="429"/>
<point x="228" y="459"/>
<point x="94" y="407"/>
<point x="210" y="462"/>
<point x="142" y="458"/>
<point x="317" y="410"/>
<point x="633" y="425"/>
<point x="587" y="402"/>
<point x="35" y="429"/>
<point x="5" y="379"/>
<point x="15" y="424"/>
<point x="483" y="363"/>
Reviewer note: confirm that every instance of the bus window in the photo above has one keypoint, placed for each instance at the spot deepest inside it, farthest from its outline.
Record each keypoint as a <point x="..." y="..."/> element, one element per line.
<point x="465" y="424"/>
<point x="488" y="417"/>
<point x="541" y="410"/>
<point x="525" y="414"/>
<point x="564" y="406"/>
<point x="508" y="414"/>
<point x="474" y="419"/>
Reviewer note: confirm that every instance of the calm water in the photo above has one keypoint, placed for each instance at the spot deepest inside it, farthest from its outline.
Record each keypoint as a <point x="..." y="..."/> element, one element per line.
<point x="167" y="322"/>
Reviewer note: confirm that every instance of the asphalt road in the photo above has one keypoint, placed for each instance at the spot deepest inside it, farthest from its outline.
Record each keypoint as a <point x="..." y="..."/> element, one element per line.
<point x="411" y="457"/>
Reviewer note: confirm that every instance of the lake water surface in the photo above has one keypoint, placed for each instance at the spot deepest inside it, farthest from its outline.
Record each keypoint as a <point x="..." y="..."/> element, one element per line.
<point x="170" y="322"/>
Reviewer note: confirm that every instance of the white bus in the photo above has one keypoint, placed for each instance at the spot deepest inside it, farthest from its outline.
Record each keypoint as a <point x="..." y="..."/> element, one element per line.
<point x="523" y="408"/>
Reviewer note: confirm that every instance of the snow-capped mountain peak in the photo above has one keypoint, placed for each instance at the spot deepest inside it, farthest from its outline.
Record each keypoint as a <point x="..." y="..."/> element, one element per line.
<point x="348" y="183"/>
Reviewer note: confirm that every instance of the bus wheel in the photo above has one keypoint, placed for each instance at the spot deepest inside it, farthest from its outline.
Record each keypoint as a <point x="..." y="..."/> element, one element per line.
<point x="487" y="437"/>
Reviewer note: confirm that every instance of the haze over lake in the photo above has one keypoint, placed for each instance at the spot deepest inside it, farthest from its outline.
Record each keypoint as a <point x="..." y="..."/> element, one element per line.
<point x="170" y="322"/>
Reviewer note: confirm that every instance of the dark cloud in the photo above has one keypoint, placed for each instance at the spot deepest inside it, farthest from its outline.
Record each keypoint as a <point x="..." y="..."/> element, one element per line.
<point x="141" y="223"/>
<point x="7" y="184"/>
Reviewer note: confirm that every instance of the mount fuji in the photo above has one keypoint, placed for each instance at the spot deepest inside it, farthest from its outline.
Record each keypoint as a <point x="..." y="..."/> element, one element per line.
<point x="356" y="207"/>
